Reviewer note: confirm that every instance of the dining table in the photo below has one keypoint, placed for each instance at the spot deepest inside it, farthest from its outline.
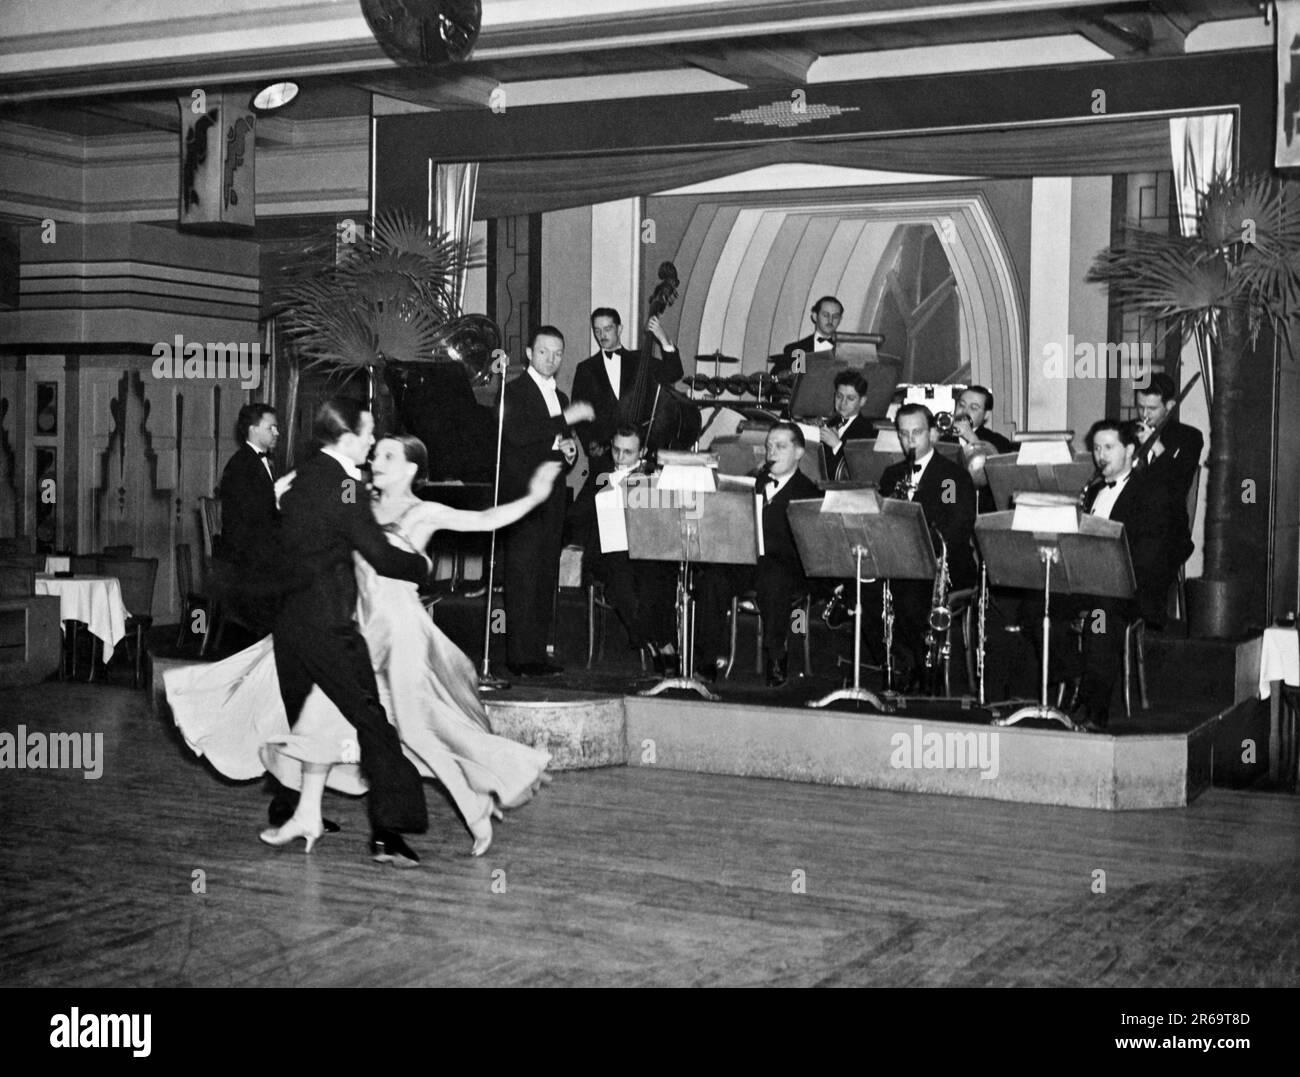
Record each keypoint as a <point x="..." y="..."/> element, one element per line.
<point x="95" y="601"/>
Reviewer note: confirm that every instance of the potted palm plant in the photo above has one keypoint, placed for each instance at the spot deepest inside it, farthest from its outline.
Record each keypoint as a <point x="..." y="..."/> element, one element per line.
<point x="383" y="304"/>
<point x="1237" y="273"/>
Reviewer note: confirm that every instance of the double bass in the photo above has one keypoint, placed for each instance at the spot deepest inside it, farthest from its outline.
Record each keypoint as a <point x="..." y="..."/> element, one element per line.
<point x="674" y="420"/>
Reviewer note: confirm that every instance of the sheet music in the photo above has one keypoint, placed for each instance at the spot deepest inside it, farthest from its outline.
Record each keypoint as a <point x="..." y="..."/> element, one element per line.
<point x="611" y="520"/>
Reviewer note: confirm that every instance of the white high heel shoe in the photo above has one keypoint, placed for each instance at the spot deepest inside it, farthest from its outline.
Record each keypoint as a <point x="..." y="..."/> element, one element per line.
<point x="292" y="831"/>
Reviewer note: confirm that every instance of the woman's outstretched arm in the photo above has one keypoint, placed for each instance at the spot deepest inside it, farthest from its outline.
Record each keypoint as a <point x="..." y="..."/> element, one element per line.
<point x="436" y="517"/>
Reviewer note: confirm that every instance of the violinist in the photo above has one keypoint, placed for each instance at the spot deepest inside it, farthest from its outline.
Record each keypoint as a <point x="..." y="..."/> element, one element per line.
<point x="642" y="593"/>
<point x="1142" y="504"/>
<point x="1170" y="451"/>
<point x="608" y="378"/>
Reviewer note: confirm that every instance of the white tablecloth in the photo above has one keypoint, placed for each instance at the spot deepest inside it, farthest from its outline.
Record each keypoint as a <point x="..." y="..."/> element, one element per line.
<point x="1279" y="659"/>
<point x="58" y="564"/>
<point x="94" y="600"/>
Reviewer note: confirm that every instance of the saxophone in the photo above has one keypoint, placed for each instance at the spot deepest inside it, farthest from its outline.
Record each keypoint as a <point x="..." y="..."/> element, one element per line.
<point x="936" y="638"/>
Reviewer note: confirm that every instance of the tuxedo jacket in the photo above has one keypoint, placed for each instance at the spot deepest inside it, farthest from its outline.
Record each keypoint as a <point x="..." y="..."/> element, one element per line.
<point x="249" y="519"/>
<point x="326" y="515"/>
<point x="953" y="516"/>
<point x="778" y="537"/>
<point x="528" y="435"/>
<point x="861" y="429"/>
<point x="1146" y="509"/>
<point x="591" y="383"/>
<point x="803" y="344"/>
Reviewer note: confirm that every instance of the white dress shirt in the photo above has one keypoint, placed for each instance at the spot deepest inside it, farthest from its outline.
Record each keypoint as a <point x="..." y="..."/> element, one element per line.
<point x="821" y="343"/>
<point x="348" y="466"/>
<point x="551" y="395"/>
<point x="922" y="463"/>
<point x="1104" y="502"/>
<point x="614" y="370"/>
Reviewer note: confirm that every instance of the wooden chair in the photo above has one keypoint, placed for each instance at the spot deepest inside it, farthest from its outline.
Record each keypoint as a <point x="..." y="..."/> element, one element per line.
<point x="119" y="551"/>
<point x="137" y="576"/>
<point x="1135" y="635"/>
<point x="85" y="564"/>
<point x="17" y="580"/>
<point x="598" y="611"/>
<point x="16" y="544"/>
<point x="81" y="565"/>
<point x="748" y="604"/>
<point x="191" y="599"/>
<point x="1180" y="584"/>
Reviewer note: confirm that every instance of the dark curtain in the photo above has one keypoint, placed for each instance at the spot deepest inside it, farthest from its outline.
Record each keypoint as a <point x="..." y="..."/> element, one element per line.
<point x="1090" y="148"/>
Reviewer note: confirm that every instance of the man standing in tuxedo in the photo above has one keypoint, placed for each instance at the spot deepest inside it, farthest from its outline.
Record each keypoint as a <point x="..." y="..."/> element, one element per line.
<point x="945" y="492"/>
<point x="607" y="379"/>
<point x="538" y="421"/>
<point x="826" y="315"/>
<point x="778" y="577"/>
<point x="250" y="516"/>
<point x="326" y="517"/>
<point x="1172" y="459"/>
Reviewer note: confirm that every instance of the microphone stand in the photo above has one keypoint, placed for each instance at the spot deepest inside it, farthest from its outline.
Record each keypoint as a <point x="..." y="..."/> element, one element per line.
<point x="486" y="681"/>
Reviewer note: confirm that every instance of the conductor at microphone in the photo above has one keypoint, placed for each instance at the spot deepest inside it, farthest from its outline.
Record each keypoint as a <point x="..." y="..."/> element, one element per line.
<point x="825" y="316"/>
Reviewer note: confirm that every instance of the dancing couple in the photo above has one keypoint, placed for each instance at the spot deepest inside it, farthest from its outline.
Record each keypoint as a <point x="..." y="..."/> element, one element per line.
<point x="357" y="688"/>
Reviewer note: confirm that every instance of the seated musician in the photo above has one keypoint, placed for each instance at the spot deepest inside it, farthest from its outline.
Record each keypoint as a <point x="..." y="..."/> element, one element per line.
<point x="826" y="315"/>
<point x="778" y="577"/>
<point x="850" y="395"/>
<point x="970" y="430"/>
<point x="642" y="593"/>
<point x="945" y="491"/>
<point x="1140" y="502"/>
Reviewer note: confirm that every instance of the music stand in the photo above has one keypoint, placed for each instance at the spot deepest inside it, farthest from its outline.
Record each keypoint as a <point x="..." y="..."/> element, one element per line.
<point x="1008" y="476"/>
<point x="687" y="526"/>
<point x="1091" y="555"/>
<point x="857" y="533"/>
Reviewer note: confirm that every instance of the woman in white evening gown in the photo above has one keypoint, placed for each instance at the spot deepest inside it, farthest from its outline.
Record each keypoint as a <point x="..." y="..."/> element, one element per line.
<point x="231" y="710"/>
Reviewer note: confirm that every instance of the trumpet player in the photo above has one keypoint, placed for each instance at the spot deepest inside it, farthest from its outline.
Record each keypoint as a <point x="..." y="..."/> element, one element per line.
<point x="946" y="493"/>
<point x="970" y="429"/>
<point x="848" y="423"/>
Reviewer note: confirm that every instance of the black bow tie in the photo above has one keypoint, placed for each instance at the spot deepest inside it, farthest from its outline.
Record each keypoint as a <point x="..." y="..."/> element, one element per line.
<point x="1111" y="485"/>
<point x="823" y="340"/>
<point x="610" y="355"/>
<point x="916" y="469"/>
<point x="262" y="455"/>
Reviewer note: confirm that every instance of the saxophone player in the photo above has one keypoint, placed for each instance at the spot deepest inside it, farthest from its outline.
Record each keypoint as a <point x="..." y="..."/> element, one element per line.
<point x="947" y="495"/>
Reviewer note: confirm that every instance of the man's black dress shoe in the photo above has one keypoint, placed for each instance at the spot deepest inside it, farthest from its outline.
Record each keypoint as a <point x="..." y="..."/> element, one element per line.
<point x="281" y="810"/>
<point x="389" y="848"/>
<point x="776" y="672"/>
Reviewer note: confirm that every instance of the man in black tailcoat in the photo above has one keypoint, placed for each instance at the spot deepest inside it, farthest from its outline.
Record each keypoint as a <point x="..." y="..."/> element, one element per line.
<point x="326" y="516"/>
<point x="538" y="421"/>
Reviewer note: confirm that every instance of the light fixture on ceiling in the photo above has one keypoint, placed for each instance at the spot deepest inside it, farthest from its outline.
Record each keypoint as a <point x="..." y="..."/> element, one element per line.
<point x="276" y="95"/>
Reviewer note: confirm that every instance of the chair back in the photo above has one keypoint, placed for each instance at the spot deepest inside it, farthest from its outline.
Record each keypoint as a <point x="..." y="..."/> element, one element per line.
<point x="119" y="551"/>
<point x="210" y="517"/>
<point x="137" y="576"/>
<point x="34" y="561"/>
<point x="17" y="580"/>
<point x="184" y="571"/>
<point x="85" y="564"/>
<point x="15" y="544"/>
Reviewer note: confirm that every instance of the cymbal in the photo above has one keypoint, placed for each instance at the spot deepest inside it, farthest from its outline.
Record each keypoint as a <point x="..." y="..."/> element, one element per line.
<point x="716" y="359"/>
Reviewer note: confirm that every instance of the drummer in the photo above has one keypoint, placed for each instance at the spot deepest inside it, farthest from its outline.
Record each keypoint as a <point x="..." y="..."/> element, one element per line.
<point x="847" y="424"/>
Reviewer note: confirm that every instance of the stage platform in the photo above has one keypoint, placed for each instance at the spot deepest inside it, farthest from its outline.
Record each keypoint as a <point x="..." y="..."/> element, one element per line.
<point x="924" y="746"/>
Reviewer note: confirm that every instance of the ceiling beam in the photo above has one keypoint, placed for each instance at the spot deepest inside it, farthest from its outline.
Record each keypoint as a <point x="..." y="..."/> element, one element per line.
<point x="755" y="66"/>
<point x="460" y="91"/>
<point x="1127" y="35"/>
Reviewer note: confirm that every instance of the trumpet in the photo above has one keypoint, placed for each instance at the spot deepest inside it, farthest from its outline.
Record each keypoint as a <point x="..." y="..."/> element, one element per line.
<point x="945" y="421"/>
<point x="1083" y="494"/>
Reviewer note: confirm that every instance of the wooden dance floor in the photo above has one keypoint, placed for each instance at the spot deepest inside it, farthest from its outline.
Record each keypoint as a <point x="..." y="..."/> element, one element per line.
<point x="623" y="876"/>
